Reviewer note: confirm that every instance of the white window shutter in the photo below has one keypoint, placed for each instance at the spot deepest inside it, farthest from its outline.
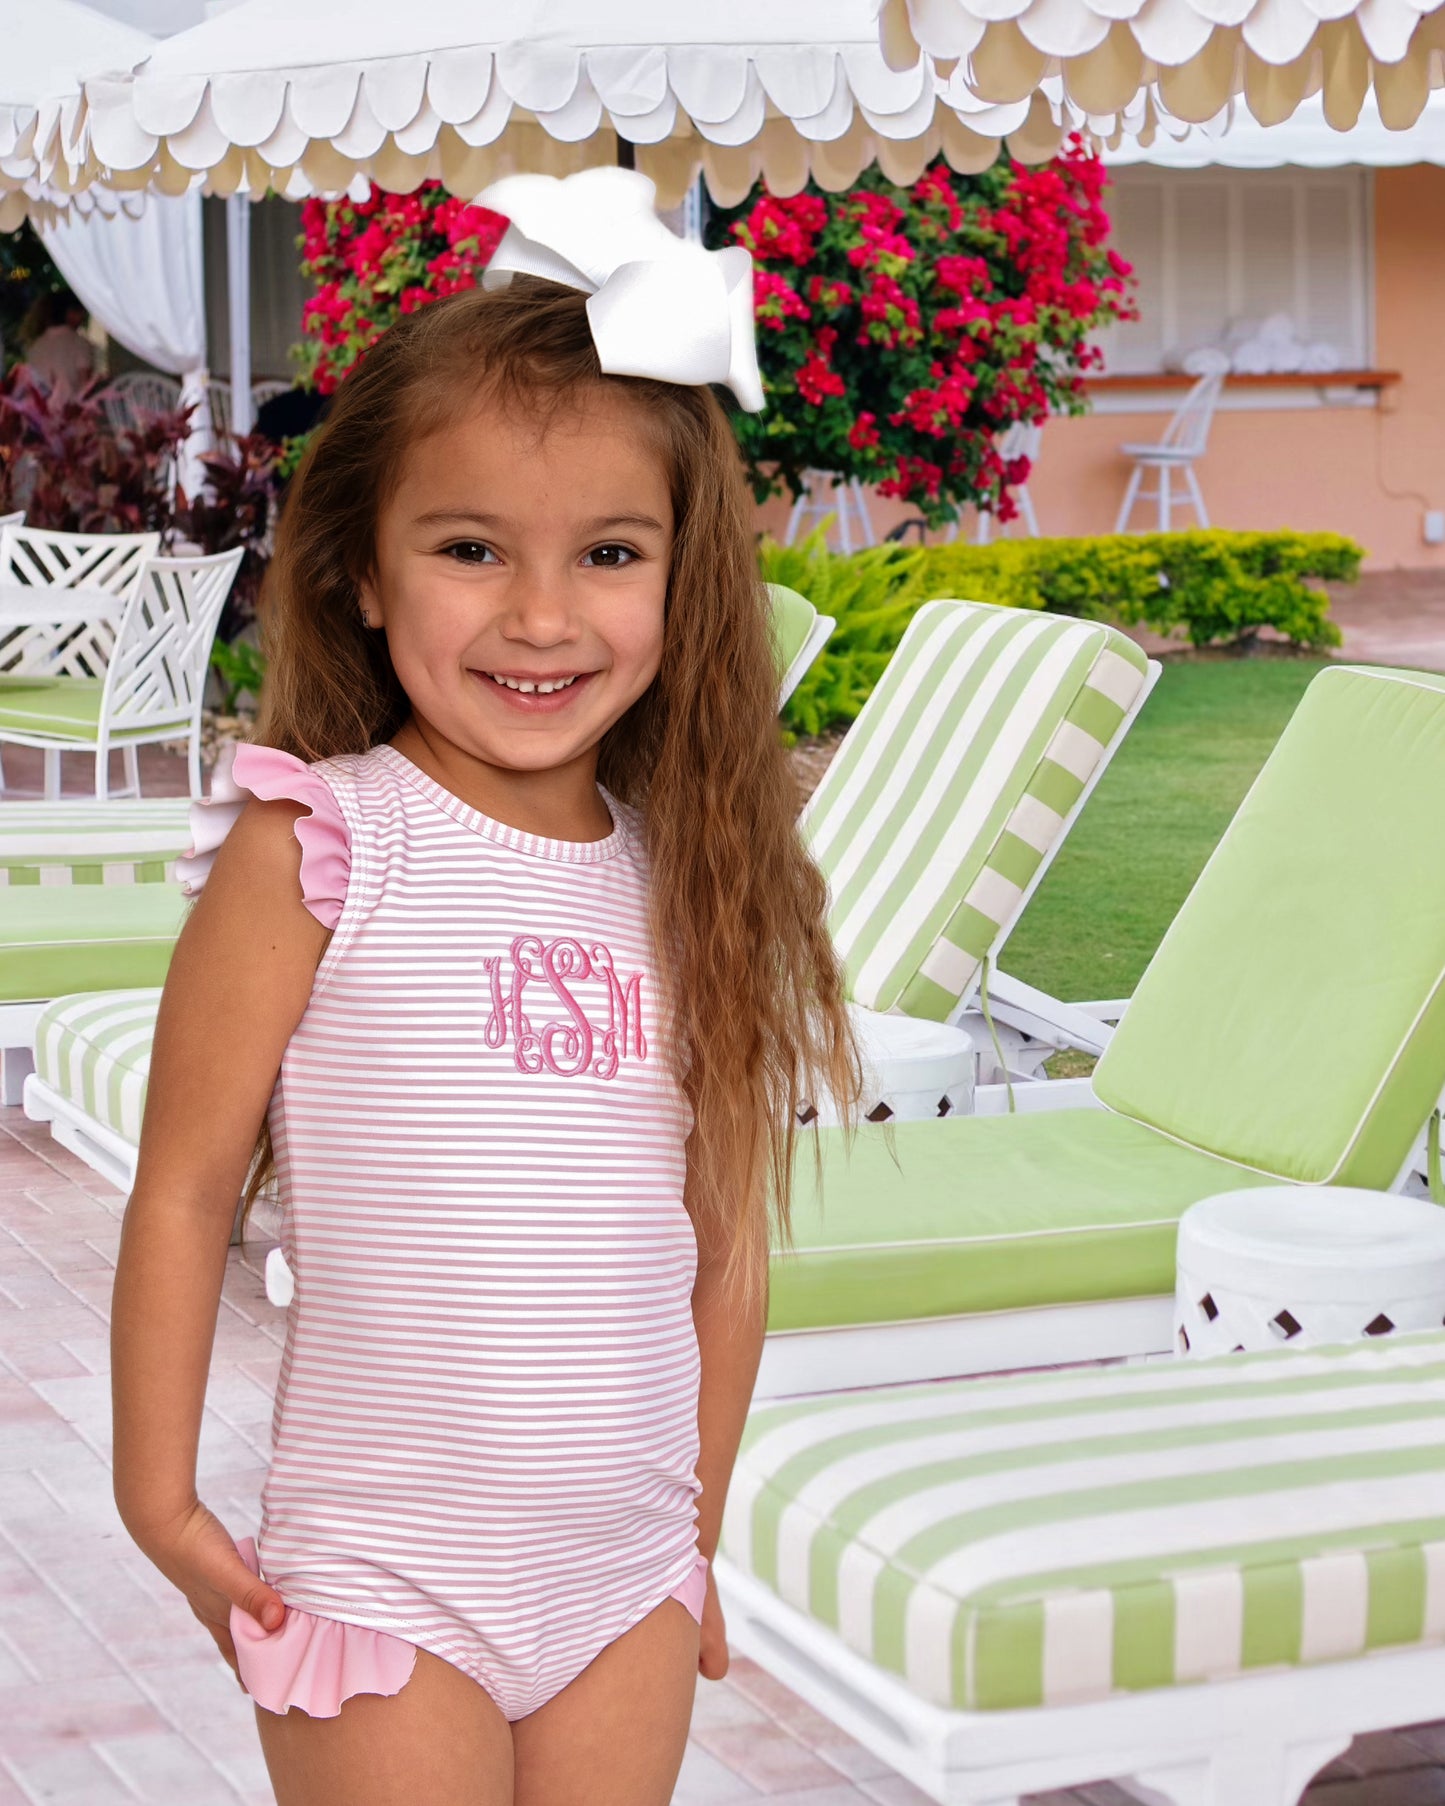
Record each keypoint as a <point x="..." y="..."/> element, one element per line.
<point x="1215" y="246"/>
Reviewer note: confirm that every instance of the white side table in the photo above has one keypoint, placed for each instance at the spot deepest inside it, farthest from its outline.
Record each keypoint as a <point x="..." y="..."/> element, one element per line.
<point x="914" y="1071"/>
<point x="1305" y="1265"/>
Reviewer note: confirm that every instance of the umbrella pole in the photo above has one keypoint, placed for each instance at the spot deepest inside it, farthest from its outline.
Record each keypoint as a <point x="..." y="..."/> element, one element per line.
<point x="238" y="284"/>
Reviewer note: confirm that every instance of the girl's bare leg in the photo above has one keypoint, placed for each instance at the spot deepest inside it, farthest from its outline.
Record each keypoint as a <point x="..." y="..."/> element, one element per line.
<point x="615" y="1736"/>
<point x="441" y="1740"/>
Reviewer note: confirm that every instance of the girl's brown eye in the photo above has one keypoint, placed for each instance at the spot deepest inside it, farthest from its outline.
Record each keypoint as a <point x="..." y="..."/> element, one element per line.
<point x="611" y="558"/>
<point x="469" y="551"/>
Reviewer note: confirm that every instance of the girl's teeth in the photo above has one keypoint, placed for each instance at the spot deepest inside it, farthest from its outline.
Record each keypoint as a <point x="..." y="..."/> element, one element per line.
<point x="544" y="688"/>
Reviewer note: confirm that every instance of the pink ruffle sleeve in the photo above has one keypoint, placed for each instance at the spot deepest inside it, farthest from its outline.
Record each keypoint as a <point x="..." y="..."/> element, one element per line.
<point x="314" y="1663"/>
<point x="246" y="771"/>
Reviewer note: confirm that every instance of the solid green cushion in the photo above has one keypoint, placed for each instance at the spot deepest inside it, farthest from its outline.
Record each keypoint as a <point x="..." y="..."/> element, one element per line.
<point x="985" y="1213"/>
<point x="1293" y="1018"/>
<point x="793" y="617"/>
<point x="66" y="707"/>
<point x="55" y="939"/>
<point x="1059" y="1537"/>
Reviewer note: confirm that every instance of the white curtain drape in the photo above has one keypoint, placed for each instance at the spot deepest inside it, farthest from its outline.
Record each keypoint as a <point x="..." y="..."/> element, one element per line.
<point x="144" y="280"/>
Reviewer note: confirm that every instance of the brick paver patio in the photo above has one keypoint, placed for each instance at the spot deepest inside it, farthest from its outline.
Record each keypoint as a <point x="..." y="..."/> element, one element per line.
<point x="111" y="1693"/>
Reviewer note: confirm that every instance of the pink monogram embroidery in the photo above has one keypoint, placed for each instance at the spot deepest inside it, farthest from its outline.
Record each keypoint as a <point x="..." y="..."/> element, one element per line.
<point x="572" y="1044"/>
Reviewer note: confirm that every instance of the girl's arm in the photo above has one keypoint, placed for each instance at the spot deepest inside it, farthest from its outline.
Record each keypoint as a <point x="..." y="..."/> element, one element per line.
<point x="731" y="1346"/>
<point x="239" y="983"/>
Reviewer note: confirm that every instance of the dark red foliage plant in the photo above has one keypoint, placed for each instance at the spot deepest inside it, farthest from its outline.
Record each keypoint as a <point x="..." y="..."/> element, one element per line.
<point x="68" y="468"/>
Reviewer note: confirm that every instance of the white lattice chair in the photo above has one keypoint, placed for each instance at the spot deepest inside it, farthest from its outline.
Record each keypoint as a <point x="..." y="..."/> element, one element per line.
<point x="138" y="392"/>
<point x="38" y="557"/>
<point x="1184" y="441"/>
<point x="153" y="684"/>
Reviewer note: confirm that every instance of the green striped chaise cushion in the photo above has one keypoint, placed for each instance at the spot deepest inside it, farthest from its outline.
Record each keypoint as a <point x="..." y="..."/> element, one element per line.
<point x="130" y="841"/>
<point x="952" y="786"/>
<point x="1062" y="1536"/>
<point x="95" y="1051"/>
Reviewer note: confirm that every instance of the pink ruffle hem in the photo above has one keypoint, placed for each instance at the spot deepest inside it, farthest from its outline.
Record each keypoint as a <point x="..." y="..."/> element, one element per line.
<point x="314" y="1663"/>
<point x="318" y="1663"/>
<point x="264" y="771"/>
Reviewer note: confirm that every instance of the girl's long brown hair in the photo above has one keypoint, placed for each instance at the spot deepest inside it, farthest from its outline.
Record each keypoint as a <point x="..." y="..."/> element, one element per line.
<point x="738" y="908"/>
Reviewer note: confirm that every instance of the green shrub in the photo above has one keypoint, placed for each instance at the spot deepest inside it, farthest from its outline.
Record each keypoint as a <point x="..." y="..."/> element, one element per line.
<point x="1217" y="587"/>
<point x="241" y="669"/>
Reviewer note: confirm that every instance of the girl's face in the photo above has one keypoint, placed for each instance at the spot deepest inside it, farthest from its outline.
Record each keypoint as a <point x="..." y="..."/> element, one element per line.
<point x="520" y="578"/>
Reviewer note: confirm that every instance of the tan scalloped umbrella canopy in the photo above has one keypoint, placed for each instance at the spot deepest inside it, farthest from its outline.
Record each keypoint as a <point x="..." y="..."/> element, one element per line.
<point x="464" y="91"/>
<point x="1192" y="57"/>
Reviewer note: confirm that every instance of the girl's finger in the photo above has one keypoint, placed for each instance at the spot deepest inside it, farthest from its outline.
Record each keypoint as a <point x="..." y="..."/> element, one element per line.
<point x="232" y="1577"/>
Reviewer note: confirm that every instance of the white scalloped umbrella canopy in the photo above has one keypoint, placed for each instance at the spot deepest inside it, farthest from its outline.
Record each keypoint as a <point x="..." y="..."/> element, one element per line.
<point x="47" y="47"/>
<point x="466" y="91"/>
<point x="1192" y="56"/>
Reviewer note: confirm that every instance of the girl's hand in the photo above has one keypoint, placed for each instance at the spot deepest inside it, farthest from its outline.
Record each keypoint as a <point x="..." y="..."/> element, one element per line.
<point x="198" y="1556"/>
<point x="712" y="1658"/>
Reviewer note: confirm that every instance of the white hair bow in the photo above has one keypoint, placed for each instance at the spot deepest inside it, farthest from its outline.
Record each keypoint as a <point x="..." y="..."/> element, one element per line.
<point x="657" y="305"/>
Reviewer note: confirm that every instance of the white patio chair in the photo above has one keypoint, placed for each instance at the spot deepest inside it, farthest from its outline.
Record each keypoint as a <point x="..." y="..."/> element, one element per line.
<point x="1184" y="441"/>
<point x="218" y="394"/>
<point x="137" y="392"/>
<point x="42" y="557"/>
<point x="823" y="496"/>
<point x="17" y="519"/>
<point x="266" y="390"/>
<point x="1021" y="440"/>
<point x="154" y="681"/>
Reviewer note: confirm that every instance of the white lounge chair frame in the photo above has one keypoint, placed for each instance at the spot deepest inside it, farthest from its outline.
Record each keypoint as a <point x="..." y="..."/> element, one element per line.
<point x="1251" y="1741"/>
<point x="156" y="675"/>
<point x="102" y="1150"/>
<point x="818" y="636"/>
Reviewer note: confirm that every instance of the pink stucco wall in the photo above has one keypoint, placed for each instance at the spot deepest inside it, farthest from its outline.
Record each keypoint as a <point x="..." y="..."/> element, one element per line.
<point x="1370" y="472"/>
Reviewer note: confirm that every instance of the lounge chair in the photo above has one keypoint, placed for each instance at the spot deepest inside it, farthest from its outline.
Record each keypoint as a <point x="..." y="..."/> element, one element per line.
<point x="63" y="927"/>
<point x="1291" y="1027"/>
<point x="79" y="841"/>
<point x="1200" y="1578"/>
<point x="947" y="802"/>
<point x="58" y="940"/>
<point x="800" y="633"/>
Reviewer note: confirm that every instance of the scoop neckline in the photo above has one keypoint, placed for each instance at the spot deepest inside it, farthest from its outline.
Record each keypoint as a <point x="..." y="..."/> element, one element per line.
<point x="538" y="846"/>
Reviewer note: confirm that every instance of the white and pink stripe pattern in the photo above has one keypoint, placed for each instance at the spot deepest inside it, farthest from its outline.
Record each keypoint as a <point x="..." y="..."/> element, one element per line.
<point x="486" y="1425"/>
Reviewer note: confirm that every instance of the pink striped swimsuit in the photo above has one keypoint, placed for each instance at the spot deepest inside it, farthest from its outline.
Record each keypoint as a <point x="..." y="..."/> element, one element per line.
<point x="485" y="1431"/>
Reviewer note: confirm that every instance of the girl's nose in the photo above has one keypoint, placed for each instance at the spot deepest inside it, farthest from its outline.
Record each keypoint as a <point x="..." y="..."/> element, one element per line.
<point x="538" y="611"/>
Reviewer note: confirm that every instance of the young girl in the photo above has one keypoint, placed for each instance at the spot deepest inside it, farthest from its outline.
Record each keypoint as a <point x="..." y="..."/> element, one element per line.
<point x="512" y="972"/>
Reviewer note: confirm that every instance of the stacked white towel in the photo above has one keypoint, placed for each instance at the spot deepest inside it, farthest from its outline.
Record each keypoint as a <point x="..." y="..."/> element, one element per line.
<point x="1261" y="348"/>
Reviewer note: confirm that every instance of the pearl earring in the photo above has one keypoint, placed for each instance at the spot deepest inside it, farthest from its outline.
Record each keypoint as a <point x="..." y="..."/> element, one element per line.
<point x="366" y="617"/>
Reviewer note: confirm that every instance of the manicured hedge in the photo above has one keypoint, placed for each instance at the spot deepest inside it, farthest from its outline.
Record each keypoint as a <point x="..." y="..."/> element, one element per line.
<point x="1217" y="587"/>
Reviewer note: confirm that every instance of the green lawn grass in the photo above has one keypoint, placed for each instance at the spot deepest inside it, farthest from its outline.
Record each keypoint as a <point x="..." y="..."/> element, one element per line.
<point x="1147" y="830"/>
